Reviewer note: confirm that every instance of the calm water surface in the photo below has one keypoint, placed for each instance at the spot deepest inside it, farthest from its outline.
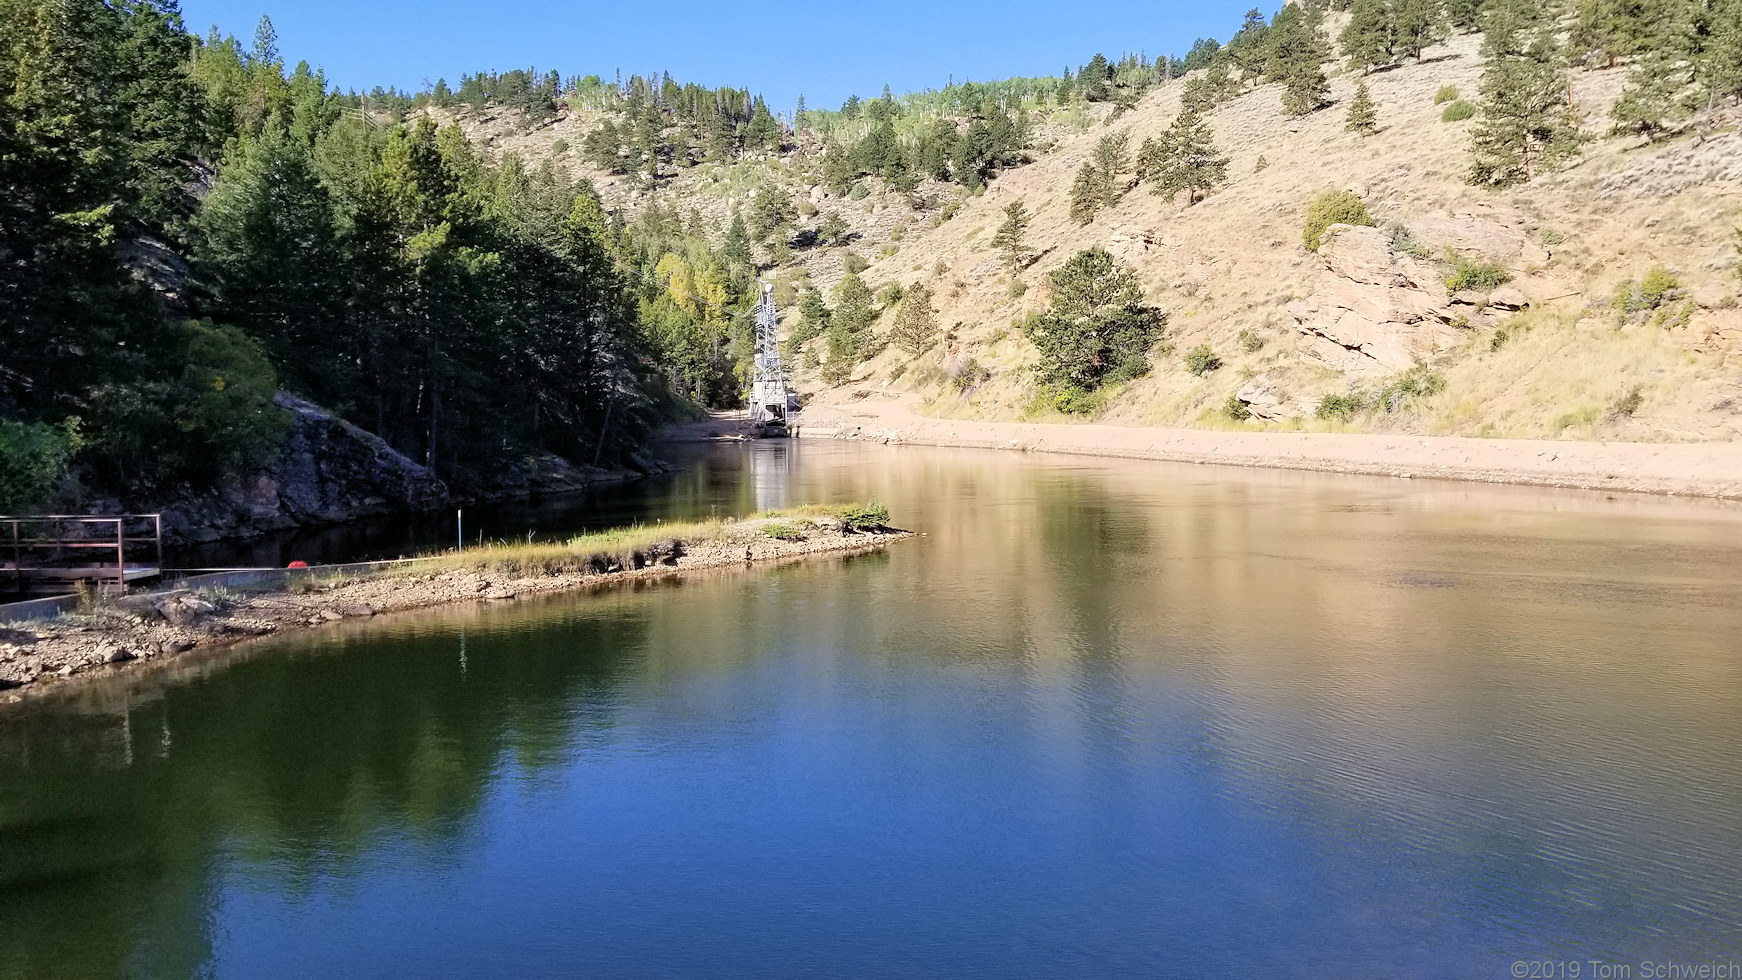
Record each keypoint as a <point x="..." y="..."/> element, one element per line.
<point x="1104" y="719"/>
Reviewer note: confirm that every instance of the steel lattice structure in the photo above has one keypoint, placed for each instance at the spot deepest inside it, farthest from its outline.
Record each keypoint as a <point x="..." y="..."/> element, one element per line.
<point x="768" y="391"/>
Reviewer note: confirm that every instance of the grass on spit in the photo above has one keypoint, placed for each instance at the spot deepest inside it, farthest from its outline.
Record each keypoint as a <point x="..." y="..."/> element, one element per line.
<point x="642" y="545"/>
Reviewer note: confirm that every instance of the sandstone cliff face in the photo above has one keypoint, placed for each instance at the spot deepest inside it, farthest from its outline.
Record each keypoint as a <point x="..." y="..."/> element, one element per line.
<point x="1373" y="309"/>
<point x="329" y="471"/>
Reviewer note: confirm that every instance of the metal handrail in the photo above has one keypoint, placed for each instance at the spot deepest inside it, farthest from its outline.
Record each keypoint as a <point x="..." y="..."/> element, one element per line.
<point x="61" y="543"/>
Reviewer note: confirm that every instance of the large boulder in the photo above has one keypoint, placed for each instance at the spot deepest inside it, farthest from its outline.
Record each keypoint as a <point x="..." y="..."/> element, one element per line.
<point x="1500" y="238"/>
<point x="328" y="471"/>
<point x="1373" y="310"/>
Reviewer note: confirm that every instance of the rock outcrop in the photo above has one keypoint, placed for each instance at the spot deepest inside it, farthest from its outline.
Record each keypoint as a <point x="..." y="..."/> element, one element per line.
<point x="329" y="471"/>
<point x="1497" y="238"/>
<point x="1373" y="309"/>
<point x="1264" y="400"/>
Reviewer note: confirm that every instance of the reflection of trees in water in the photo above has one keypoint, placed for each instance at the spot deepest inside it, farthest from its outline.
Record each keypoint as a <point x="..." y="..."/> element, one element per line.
<point x="299" y="761"/>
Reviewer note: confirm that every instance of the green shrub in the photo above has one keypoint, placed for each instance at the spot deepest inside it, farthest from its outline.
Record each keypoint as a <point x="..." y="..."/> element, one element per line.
<point x="1458" y="111"/>
<point x="1340" y="407"/>
<point x="1404" y="243"/>
<point x="1499" y="339"/>
<point x="859" y="191"/>
<point x="1657" y="286"/>
<point x="33" y="458"/>
<point x="784" y="532"/>
<point x="559" y="146"/>
<point x="1072" y="400"/>
<point x="1236" y="409"/>
<point x="1638" y="297"/>
<point x="1333" y="208"/>
<point x="1471" y="272"/>
<point x="1263" y="161"/>
<point x="1417" y="382"/>
<point x="966" y="375"/>
<point x="1201" y="360"/>
<point x="1250" y="341"/>
<point x="1017" y="288"/>
<point x="853" y="263"/>
<point x="1628" y="403"/>
<point x="864" y="517"/>
<point x="1583" y="418"/>
<point x="1446" y="94"/>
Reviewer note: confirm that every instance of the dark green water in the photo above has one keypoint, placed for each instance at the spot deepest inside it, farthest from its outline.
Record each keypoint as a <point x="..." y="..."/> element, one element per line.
<point x="1104" y="719"/>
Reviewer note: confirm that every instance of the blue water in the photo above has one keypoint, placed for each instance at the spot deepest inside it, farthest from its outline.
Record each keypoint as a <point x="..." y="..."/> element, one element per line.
<point x="1101" y="720"/>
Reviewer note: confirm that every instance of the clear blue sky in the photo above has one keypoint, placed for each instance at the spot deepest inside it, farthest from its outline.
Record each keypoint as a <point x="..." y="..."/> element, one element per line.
<point x="824" y="50"/>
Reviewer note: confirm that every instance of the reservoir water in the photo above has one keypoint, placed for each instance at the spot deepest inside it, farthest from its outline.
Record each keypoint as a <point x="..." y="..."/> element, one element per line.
<point x="1103" y="719"/>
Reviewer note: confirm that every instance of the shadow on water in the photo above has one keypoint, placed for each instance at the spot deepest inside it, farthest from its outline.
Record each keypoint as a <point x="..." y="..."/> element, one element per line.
<point x="1101" y="719"/>
<point x="304" y="758"/>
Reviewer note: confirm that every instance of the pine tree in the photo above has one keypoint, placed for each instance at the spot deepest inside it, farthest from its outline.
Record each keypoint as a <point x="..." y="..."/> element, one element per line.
<point x="265" y="52"/>
<point x="1249" y="48"/>
<point x="1609" y="30"/>
<point x="771" y="211"/>
<point x="1111" y="157"/>
<point x="1306" y="91"/>
<point x="1088" y="194"/>
<point x="1183" y="159"/>
<point x="1096" y="328"/>
<point x="855" y="307"/>
<point x="1416" y="25"/>
<point x="1720" y="59"/>
<point x="916" y="327"/>
<point x="1363" y="114"/>
<point x="1527" y="127"/>
<point x="1093" y="78"/>
<point x="1367" y="38"/>
<point x="735" y="251"/>
<point x="1664" y="88"/>
<point x="1297" y="52"/>
<point x="1464" y="15"/>
<point x="269" y="248"/>
<point x="1010" y="236"/>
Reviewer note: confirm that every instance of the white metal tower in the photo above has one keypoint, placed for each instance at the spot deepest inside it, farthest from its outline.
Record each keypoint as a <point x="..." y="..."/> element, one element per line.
<point x="768" y="392"/>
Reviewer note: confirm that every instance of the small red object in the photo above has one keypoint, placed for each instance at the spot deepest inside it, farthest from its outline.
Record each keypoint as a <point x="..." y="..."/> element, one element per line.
<point x="297" y="564"/>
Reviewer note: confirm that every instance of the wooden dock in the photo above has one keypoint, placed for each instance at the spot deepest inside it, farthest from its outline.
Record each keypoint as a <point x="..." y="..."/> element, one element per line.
<point x="53" y="552"/>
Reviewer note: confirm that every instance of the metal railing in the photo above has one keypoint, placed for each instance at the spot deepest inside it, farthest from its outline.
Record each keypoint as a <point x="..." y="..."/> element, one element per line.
<point x="67" y="548"/>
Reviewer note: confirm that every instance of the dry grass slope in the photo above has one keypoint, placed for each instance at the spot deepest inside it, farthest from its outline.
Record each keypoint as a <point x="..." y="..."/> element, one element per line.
<point x="1227" y="270"/>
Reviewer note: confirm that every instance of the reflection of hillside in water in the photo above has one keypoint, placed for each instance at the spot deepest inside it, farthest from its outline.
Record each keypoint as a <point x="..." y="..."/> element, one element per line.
<point x="1530" y="699"/>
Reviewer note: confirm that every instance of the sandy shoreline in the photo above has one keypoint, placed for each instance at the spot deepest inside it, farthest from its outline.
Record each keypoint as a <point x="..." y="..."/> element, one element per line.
<point x="159" y="628"/>
<point x="1705" y="469"/>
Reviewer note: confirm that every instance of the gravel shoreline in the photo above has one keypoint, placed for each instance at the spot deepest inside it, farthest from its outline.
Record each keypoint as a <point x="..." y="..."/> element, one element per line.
<point x="160" y="627"/>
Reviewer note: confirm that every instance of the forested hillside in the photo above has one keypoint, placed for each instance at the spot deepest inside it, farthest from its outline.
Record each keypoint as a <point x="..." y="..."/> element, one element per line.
<point x="188" y="226"/>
